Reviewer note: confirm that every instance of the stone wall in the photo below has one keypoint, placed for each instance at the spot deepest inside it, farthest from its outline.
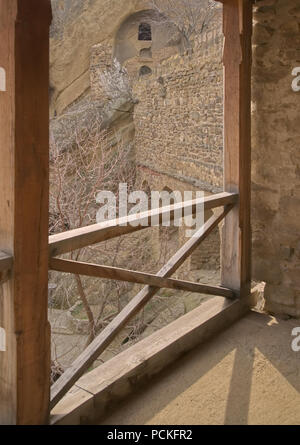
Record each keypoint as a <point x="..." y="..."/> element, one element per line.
<point x="178" y="120"/>
<point x="207" y="256"/>
<point x="276" y="154"/>
<point x="179" y="116"/>
<point x="179" y="129"/>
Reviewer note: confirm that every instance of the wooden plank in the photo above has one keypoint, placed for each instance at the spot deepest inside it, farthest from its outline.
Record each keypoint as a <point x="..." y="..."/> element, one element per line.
<point x="92" y="352"/>
<point x="236" y="236"/>
<point x="6" y="262"/>
<point x="96" y="233"/>
<point x="118" y="274"/>
<point x="106" y="386"/>
<point x="24" y="136"/>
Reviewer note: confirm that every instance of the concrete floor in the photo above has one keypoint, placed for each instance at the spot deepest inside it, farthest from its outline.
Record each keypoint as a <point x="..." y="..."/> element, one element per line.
<point x="247" y="375"/>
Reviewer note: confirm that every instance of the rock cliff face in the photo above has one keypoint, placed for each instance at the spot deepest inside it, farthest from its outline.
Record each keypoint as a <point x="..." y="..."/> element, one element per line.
<point x="79" y="25"/>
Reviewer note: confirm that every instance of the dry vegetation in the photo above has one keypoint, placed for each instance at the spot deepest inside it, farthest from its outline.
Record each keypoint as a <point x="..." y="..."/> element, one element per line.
<point x="188" y="16"/>
<point x="86" y="159"/>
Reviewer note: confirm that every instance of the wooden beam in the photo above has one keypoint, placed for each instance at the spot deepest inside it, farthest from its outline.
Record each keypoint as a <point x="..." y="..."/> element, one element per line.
<point x="92" y="352"/>
<point x="115" y="273"/>
<point x="236" y="236"/>
<point x="96" y="233"/>
<point x="24" y="122"/>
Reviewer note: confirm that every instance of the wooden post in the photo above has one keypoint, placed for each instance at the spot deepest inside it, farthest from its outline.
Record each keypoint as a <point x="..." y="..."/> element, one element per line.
<point x="236" y="236"/>
<point x="24" y="153"/>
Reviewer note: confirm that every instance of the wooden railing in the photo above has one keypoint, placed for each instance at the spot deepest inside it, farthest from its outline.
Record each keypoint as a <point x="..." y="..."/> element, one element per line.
<point x="87" y="236"/>
<point x="79" y="238"/>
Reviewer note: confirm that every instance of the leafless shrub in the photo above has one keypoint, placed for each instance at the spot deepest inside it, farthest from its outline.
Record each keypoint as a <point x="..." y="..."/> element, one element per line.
<point x="189" y="16"/>
<point x="87" y="159"/>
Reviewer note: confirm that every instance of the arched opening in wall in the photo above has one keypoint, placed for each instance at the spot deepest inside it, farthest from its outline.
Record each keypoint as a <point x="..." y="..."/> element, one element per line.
<point x="142" y="30"/>
<point x="145" y="32"/>
<point x="145" y="70"/>
<point x="146" y="53"/>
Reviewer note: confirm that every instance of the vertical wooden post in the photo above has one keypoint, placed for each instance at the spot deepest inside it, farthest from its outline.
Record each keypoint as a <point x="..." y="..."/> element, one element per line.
<point x="24" y="153"/>
<point x="236" y="236"/>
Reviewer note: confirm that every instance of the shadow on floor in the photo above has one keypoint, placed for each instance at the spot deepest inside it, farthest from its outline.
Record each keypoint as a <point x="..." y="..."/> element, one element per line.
<point x="246" y="375"/>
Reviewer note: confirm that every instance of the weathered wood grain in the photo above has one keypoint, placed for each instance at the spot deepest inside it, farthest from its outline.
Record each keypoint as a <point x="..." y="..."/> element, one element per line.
<point x="24" y="160"/>
<point x="96" y="233"/>
<point x="236" y="236"/>
<point x="130" y="276"/>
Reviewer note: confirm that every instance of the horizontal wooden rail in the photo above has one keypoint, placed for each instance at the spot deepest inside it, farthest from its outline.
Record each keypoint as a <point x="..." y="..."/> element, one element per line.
<point x="115" y="273"/>
<point x="6" y="262"/>
<point x="96" y="233"/>
<point x="104" y="339"/>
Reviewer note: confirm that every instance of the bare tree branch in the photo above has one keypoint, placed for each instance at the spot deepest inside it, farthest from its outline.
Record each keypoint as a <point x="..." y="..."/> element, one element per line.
<point x="189" y="16"/>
